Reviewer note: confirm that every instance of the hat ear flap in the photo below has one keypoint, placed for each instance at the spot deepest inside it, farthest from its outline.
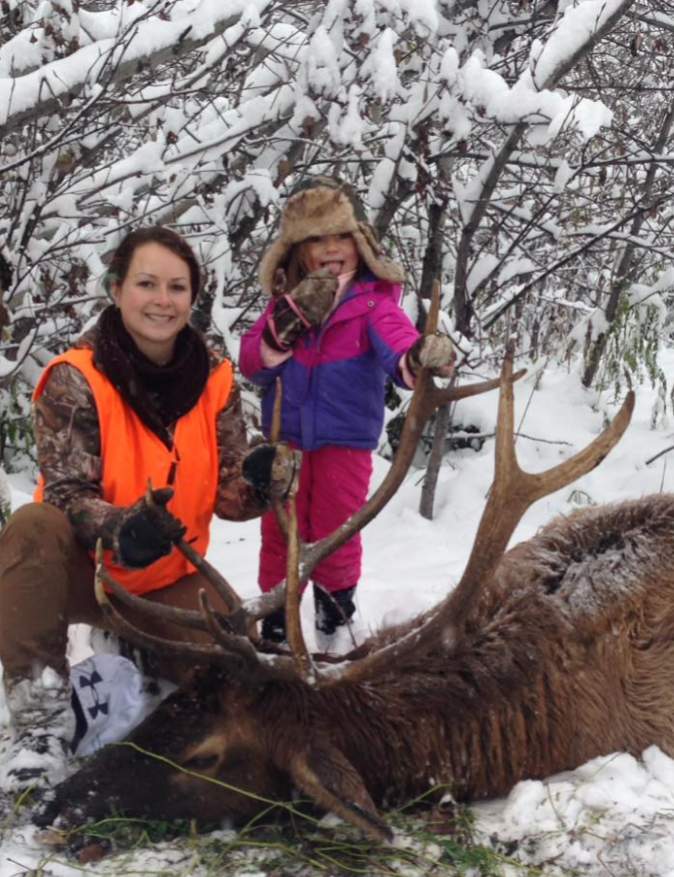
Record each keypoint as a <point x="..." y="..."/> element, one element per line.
<point x="368" y="233"/>
<point x="279" y="283"/>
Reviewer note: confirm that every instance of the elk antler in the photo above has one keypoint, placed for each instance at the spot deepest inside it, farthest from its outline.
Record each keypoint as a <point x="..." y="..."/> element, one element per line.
<point x="511" y="494"/>
<point x="289" y="527"/>
<point x="298" y="646"/>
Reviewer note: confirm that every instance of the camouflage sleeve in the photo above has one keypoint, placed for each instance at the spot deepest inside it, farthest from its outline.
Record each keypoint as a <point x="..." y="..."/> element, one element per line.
<point x="236" y="499"/>
<point x="67" y="435"/>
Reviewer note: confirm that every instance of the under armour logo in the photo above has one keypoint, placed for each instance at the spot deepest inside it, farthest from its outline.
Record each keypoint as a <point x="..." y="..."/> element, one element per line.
<point x="98" y="704"/>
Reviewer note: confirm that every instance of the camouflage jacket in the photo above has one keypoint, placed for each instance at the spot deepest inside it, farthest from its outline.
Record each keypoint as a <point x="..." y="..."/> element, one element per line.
<point x="68" y="450"/>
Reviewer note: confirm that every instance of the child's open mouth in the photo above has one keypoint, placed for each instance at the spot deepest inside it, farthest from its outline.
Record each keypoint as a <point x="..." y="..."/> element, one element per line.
<point x="334" y="266"/>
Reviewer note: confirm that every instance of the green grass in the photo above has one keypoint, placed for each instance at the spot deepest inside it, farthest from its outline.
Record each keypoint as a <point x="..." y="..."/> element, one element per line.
<point x="433" y="843"/>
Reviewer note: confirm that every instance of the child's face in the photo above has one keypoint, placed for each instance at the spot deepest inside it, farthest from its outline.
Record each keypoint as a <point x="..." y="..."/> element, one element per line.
<point x="336" y="252"/>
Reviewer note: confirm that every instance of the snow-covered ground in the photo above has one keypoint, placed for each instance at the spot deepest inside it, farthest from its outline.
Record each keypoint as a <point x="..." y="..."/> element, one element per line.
<point x="612" y="816"/>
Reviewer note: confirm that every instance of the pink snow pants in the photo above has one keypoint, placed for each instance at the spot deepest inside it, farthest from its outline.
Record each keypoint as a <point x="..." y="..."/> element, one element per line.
<point x="333" y="485"/>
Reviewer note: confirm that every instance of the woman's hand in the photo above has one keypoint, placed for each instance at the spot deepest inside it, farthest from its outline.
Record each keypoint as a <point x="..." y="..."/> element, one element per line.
<point x="147" y="531"/>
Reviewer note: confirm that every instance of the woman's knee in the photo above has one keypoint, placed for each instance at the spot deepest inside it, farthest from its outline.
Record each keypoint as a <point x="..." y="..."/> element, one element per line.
<point x="36" y="522"/>
<point x="37" y="541"/>
<point x="34" y="589"/>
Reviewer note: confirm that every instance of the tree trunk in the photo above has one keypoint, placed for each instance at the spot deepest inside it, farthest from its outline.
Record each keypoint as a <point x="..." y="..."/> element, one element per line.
<point x="432" y="271"/>
<point x="440" y="427"/>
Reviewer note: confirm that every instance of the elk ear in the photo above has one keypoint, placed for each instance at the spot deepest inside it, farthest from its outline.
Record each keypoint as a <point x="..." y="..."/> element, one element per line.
<point x="331" y="781"/>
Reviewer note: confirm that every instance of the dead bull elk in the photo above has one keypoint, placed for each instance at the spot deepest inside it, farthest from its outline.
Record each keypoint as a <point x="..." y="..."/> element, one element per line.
<point x="541" y="658"/>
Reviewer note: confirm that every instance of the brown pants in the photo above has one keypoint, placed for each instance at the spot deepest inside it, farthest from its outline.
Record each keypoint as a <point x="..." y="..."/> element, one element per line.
<point x="47" y="583"/>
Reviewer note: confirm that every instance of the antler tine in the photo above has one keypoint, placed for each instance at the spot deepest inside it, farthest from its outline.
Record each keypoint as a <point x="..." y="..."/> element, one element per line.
<point x="134" y="634"/>
<point x="225" y="591"/>
<point x="505" y="461"/>
<point x="454" y="394"/>
<point x="433" y="315"/>
<point x="183" y="617"/>
<point x="229" y="596"/>
<point x="296" y="641"/>
<point x="237" y="645"/>
<point x="233" y="652"/>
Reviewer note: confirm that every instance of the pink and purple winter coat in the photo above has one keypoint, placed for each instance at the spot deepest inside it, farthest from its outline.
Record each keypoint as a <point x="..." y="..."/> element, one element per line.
<point x="334" y="384"/>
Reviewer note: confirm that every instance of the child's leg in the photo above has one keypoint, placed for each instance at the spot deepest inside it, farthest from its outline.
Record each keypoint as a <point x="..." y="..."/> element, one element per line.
<point x="334" y="483"/>
<point x="341" y="480"/>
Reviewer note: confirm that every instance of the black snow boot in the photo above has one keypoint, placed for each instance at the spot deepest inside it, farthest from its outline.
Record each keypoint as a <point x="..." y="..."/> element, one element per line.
<point x="274" y="627"/>
<point x="333" y="609"/>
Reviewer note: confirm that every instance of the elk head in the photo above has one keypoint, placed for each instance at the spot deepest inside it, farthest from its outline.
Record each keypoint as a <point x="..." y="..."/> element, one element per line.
<point x="350" y="732"/>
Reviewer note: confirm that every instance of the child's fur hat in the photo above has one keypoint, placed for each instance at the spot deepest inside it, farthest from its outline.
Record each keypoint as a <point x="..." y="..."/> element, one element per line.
<point x="319" y="206"/>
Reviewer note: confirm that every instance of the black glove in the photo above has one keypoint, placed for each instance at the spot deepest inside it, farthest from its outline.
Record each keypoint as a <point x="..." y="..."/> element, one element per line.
<point x="272" y="470"/>
<point x="306" y="306"/>
<point x="147" y="531"/>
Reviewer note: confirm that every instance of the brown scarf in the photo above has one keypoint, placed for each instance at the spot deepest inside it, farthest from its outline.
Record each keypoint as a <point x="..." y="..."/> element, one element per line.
<point x="159" y="394"/>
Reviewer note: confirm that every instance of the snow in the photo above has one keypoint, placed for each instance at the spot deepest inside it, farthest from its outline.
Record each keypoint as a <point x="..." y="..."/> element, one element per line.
<point x="612" y="815"/>
<point x="84" y="66"/>
<point x="381" y="67"/>
<point x="575" y="27"/>
<point x="322" y="68"/>
<point x="347" y="127"/>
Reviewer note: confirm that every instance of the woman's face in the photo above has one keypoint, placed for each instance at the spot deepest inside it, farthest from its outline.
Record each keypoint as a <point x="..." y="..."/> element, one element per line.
<point x="336" y="252"/>
<point x="155" y="300"/>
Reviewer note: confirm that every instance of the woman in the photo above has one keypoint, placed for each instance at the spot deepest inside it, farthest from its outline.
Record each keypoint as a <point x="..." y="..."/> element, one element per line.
<point x="140" y="397"/>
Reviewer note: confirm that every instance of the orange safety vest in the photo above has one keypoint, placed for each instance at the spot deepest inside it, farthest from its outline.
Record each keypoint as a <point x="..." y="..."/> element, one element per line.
<point x="131" y="454"/>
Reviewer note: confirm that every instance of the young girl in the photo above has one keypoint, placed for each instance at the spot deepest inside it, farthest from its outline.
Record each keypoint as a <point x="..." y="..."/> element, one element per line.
<point x="335" y="333"/>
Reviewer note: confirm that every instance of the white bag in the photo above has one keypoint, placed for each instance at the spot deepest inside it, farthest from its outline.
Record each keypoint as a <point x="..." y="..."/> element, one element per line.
<point x="110" y="696"/>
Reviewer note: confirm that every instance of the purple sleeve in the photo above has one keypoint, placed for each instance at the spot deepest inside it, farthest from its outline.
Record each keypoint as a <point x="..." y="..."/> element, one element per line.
<point x="392" y="333"/>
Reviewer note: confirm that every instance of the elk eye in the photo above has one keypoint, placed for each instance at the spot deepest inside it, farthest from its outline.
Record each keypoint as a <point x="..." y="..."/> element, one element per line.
<point x="201" y="763"/>
<point x="235" y="761"/>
